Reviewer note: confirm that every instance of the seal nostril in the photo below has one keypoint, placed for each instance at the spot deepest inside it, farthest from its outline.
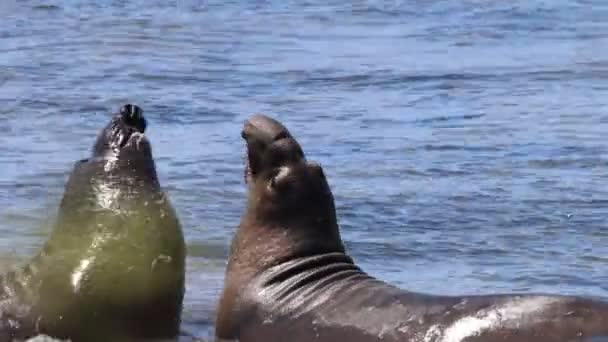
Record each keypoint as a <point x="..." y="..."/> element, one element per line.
<point x="133" y="116"/>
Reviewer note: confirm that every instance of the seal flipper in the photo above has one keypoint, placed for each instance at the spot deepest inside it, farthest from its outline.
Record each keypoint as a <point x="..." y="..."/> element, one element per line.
<point x="15" y="294"/>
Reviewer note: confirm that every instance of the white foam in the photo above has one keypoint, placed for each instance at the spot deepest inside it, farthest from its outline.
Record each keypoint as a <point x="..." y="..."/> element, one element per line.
<point x="432" y="334"/>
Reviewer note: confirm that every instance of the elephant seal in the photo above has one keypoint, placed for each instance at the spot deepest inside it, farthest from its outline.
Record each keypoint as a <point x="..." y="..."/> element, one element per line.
<point x="113" y="267"/>
<point x="289" y="278"/>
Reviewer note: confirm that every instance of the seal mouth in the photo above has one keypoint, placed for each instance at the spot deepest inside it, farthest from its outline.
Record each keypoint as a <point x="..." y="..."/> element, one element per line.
<point x="132" y="118"/>
<point x="125" y="130"/>
<point x="269" y="145"/>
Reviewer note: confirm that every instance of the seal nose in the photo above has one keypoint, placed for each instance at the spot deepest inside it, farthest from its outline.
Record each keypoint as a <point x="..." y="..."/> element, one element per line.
<point x="269" y="145"/>
<point x="133" y="116"/>
<point x="264" y="130"/>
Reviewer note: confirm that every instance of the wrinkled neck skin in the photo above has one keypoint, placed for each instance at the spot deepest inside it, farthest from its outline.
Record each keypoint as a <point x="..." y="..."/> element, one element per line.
<point x="259" y="248"/>
<point x="262" y="243"/>
<point x="288" y="253"/>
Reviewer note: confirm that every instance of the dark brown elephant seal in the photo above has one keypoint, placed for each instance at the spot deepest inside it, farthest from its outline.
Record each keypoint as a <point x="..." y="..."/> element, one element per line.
<point x="113" y="267"/>
<point x="290" y="279"/>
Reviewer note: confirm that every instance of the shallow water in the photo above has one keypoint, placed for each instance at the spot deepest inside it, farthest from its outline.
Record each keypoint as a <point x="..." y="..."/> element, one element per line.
<point x="462" y="139"/>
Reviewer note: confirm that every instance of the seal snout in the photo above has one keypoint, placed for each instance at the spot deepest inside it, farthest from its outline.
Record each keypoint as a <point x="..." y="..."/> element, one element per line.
<point x="264" y="129"/>
<point x="125" y="130"/>
<point x="269" y="145"/>
<point x="132" y="123"/>
<point x="133" y="116"/>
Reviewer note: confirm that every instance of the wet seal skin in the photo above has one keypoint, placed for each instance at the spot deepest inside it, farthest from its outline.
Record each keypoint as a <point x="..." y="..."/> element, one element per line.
<point x="289" y="277"/>
<point x="113" y="268"/>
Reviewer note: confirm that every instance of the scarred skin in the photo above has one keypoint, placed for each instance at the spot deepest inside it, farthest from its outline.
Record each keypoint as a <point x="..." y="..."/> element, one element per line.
<point x="289" y="278"/>
<point x="113" y="267"/>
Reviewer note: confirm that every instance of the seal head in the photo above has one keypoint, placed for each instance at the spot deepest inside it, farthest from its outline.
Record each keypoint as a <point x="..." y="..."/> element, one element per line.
<point x="290" y="214"/>
<point x="117" y="134"/>
<point x="284" y="189"/>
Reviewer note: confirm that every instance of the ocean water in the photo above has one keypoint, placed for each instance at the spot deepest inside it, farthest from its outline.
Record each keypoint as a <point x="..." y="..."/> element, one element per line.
<point x="465" y="141"/>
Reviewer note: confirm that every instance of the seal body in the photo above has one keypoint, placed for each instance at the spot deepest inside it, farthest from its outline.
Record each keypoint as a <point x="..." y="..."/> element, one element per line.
<point x="113" y="268"/>
<point x="289" y="278"/>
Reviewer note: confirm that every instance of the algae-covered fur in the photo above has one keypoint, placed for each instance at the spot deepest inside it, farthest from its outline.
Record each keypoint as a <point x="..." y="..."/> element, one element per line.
<point x="113" y="267"/>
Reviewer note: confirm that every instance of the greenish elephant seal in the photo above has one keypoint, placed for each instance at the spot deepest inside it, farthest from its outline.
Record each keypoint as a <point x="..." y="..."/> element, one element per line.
<point x="113" y="268"/>
<point x="289" y="277"/>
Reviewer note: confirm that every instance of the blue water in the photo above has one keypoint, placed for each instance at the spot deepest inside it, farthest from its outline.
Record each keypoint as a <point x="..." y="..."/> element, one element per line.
<point x="465" y="141"/>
